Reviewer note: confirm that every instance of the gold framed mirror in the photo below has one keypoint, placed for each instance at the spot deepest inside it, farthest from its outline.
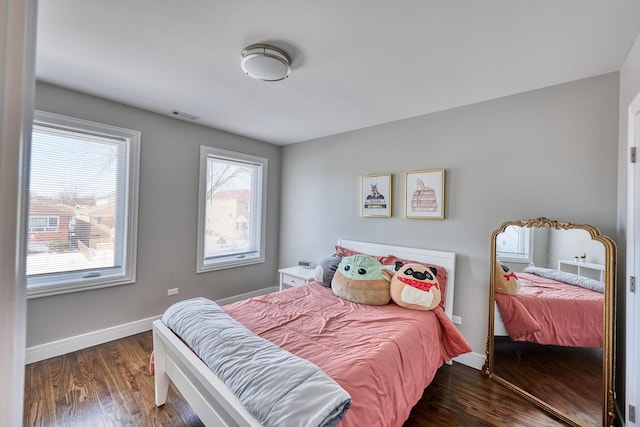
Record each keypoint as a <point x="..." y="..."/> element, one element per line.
<point x="551" y="305"/>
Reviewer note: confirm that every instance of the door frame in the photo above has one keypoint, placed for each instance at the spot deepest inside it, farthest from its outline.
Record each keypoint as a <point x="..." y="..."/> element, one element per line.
<point x="632" y="300"/>
<point x="17" y="81"/>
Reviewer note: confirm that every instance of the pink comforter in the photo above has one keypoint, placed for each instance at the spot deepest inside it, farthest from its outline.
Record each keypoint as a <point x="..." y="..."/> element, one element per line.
<point x="546" y="311"/>
<point x="383" y="356"/>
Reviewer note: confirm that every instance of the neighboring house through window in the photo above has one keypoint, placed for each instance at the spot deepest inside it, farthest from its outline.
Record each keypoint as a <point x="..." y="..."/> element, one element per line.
<point x="83" y="200"/>
<point x="231" y="212"/>
<point x="41" y="224"/>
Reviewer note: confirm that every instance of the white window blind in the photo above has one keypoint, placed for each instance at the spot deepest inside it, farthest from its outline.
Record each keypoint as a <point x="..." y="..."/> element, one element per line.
<point x="232" y="209"/>
<point x="83" y="181"/>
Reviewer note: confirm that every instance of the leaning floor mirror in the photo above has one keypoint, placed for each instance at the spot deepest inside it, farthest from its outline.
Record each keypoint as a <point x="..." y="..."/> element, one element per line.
<point x="551" y="319"/>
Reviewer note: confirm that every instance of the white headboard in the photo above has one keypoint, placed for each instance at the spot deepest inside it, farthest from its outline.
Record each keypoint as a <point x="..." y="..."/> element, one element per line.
<point x="441" y="258"/>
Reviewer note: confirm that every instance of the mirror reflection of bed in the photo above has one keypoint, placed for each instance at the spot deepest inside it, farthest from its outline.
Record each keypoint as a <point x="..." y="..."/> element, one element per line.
<point x="548" y="337"/>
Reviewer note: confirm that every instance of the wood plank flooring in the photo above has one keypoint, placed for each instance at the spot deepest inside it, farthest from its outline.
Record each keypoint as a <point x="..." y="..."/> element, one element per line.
<point x="569" y="378"/>
<point x="110" y="385"/>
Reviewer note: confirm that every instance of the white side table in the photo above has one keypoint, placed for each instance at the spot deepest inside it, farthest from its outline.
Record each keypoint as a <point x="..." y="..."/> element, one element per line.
<point x="580" y="267"/>
<point x="294" y="276"/>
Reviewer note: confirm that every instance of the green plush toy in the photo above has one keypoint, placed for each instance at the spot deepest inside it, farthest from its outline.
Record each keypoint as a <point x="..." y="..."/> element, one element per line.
<point x="362" y="279"/>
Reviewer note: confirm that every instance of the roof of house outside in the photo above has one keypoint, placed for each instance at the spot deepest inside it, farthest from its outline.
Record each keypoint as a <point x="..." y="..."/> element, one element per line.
<point x="38" y="208"/>
<point x="232" y="195"/>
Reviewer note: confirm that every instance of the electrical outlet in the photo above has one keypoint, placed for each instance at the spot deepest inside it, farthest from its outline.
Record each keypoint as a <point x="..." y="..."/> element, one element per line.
<point x="172" y="291"/>
<point x="457" y="320"/>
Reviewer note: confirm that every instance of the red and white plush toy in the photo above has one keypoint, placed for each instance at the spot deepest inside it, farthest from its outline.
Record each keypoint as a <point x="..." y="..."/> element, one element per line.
<point x="415" y="286"/>
<point x="506" y="280"/>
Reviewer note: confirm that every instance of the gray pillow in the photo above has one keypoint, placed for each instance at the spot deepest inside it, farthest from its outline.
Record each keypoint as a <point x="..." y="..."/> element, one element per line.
<point x="326" y="269"/>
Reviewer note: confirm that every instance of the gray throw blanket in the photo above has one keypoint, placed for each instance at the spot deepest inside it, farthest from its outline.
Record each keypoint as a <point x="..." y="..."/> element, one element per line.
<point x="278" y="388"/>
<point x="569" y="278"/>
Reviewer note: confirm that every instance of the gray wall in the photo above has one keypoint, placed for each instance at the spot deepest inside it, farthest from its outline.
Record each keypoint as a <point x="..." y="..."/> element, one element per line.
<point x="167" y="223"/>
<point x="550" y="152"/>
<point x="629" y="88"/>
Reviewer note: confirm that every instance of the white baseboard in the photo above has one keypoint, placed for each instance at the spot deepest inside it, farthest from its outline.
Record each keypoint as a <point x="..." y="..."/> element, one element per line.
<point x="78" y="342"/>
<point x="474" y="360"/>
<point x="89" y="339"/>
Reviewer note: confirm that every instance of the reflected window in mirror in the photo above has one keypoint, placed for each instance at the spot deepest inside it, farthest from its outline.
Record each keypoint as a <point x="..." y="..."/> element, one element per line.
<point x="515" y="244"/>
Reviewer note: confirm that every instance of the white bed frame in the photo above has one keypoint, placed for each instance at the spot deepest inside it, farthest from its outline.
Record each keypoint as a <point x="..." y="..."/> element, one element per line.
<point x="444" y="259"/>
<point x="207" y="395"/>
<point x="499" y="330"/>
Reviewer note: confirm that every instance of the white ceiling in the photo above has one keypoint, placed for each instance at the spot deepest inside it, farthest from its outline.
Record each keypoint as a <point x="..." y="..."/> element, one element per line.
<point x="356" y="63"/>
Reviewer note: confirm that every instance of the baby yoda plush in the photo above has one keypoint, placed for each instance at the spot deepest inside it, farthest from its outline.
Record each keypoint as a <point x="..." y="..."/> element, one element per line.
<point x="362" y="279"/>
<point x="415" y="286"/>
<point x="506" y="280"/>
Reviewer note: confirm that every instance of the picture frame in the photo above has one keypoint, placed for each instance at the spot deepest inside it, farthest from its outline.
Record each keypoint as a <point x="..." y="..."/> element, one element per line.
<point x="375" y="195"/>
<point x="424" y="194"/>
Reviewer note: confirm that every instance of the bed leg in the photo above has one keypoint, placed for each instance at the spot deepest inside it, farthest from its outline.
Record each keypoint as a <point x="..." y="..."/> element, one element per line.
<point x="161" y="378"/>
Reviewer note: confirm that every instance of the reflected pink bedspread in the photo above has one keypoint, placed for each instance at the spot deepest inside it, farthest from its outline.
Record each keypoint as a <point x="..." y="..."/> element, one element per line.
<point x="383" y="356"/>
<point x="546" y="311"/>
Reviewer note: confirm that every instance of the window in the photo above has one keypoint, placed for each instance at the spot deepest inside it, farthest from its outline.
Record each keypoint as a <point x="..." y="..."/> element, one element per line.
<point x="43" y="224"/>
<point x="83" y="201"/>
<point x="231" y="212"/>
<point x="515" y="244"/>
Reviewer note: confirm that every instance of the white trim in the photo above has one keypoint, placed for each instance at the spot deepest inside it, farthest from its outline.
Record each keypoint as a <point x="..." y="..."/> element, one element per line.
<point x="17" y="81"/>
<point x="89" y="339"/>
<point x="632" y="380"/>
<point x="79" y="342"/>
<point x="473" y="360"/>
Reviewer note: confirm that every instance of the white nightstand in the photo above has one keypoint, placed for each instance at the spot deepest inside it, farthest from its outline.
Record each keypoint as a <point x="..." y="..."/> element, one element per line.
<point x="294" y="276"/>
<point x="581" y="267"/>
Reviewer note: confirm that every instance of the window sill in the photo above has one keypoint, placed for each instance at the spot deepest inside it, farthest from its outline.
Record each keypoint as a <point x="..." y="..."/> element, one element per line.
<point x="47" y="290"/>
<point x="229" y="262"/>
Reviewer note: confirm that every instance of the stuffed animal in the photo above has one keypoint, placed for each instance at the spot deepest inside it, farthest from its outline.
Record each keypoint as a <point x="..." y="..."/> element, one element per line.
<point x="362" y="279"/>
<point x="506" y="280"/>
<point x="415" y="286"/>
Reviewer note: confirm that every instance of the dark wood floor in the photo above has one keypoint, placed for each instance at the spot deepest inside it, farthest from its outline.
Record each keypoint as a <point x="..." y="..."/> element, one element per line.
<point x="569" y="378"/>
<point x="110" y="385"/>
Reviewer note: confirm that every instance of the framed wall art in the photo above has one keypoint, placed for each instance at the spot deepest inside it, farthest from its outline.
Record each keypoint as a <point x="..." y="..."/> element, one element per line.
<point x="424" y="194"/>
<point x="375" y="195"/>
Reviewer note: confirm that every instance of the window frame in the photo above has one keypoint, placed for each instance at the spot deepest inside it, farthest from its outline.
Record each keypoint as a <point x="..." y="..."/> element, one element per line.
<point x="526" y="241"/>
<point x="46" y="228"/>
<point x="258" y="200"/>
<point x="48" y="284"/>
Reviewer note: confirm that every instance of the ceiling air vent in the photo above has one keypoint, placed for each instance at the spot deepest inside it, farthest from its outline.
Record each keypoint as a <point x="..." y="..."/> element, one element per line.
<point x="183" y="115"/>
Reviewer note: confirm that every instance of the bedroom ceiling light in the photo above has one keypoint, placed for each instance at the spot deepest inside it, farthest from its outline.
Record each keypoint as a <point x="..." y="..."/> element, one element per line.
<point x="265" y="62"/>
